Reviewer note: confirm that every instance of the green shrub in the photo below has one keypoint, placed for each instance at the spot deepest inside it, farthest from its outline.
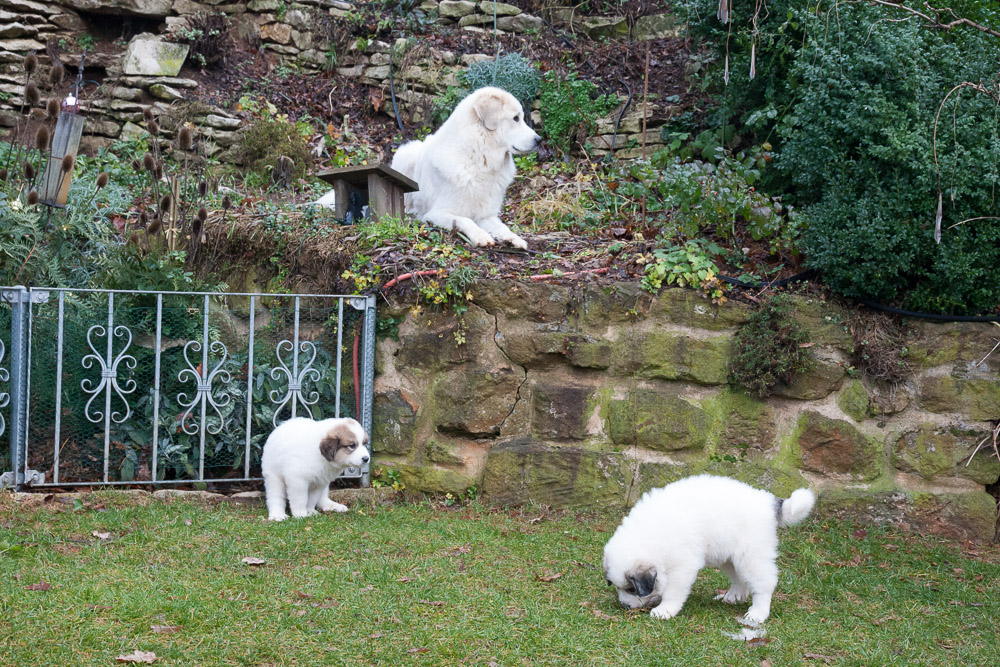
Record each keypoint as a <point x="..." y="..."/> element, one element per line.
<point x="769" y="348"/>
<point x="268" y="138"/>
<point x="849" y="99"/>
<point x="512" y="72"/>
<point x="571" y="105"/>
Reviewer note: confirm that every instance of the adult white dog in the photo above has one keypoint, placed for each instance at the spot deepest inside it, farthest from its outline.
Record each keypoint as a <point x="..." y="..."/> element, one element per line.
<point x="302" y="456"/>
<point x="675" y="531"/>
<point x="464" y="169"/>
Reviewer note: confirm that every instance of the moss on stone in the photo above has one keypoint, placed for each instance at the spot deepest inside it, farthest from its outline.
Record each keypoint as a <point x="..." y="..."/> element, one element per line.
<point x="673" y="356"/>
<point x="657" y="420"/>
<point x="835" y="446"/>
<point x="853" y="400"/>
<point x="974" y="398"/>
<point x="931" y="451"/>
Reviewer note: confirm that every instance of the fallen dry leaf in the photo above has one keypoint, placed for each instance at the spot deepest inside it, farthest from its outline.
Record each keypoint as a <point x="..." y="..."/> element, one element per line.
<point x="819" y="656"/>
<point x="166" y="629"/>
<point x="760" y="641"/>
<point x="302" y="596"/>
<point x="138" y="656"/>
<point x="405" y="580"/>
<point x="40" y="586"/>
<point x="548" y="577"/>
<point x="376" y="635"/>
<point x="860" y="534"/>
<point x="433" y="603"/>
<point x="101" y="535"/>
<point x="253" y="560"/>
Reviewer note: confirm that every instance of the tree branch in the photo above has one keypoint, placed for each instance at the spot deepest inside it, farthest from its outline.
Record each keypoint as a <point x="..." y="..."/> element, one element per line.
<point x="936" y="22"/>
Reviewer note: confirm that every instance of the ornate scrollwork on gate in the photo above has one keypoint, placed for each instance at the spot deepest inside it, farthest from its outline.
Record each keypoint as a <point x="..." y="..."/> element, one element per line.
<point x="203" y="395"/>
<point x="109" y="374"/>
<point x="4" y="396"/>
<point x="295" y="380"/>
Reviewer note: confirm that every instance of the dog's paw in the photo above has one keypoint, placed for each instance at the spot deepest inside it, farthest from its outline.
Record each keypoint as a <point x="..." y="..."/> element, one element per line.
<point x="733" y="596"/>
<point x="277" y="517"/>
<point x="518" y="242"/>
<point x="331" y="506"/>
<point x="661" y="613"/>
<point x="753" y="618"/>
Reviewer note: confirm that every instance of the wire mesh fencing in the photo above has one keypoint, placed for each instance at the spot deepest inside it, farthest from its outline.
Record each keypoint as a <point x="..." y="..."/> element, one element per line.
<point x="166" y="387"/>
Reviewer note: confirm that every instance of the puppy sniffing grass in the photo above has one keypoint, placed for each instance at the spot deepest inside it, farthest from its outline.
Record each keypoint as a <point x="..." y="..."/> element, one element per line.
<point x="302" y="456"/>
<point x="703" y="521"/>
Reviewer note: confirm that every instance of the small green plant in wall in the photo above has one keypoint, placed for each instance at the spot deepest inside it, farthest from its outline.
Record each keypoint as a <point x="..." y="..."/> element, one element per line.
<point x="769" y="349"/>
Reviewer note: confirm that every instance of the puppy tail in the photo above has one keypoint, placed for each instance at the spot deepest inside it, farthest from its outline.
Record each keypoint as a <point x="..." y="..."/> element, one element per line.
<point x="796" y="508"/>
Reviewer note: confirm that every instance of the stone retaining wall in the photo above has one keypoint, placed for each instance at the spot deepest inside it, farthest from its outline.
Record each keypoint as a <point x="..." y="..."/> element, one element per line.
<point x="147" y="71"/>
<point x="578" y="396"/>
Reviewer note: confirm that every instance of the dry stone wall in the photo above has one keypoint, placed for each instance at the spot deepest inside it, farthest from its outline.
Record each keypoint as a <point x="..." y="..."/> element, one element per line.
<point x="585" y="396"/>
<point x="148" y="71"/>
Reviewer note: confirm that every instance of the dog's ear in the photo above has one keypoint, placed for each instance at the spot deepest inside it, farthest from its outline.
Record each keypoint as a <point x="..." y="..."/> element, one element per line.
<point x="329" y="445"/>
<point x="489" y="109"/>
<point x="643" y="581"/>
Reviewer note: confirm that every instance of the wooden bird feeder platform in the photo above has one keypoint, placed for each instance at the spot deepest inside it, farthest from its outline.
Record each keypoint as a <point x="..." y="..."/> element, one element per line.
<point x="378" y="186"/>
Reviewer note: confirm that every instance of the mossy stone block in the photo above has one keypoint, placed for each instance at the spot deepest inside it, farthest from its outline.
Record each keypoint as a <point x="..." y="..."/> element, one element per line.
<point x="932" y="451"/>
<point x="835" y="446"/>
<point x="853" y="400"/>
<point x="658" y="420"/>
<point x="977" y="399"/>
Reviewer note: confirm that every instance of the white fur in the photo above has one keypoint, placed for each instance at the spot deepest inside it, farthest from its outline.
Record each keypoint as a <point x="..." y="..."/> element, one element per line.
<point x="296" y="471"/>
<point x="702" y="521"/>
<point x="464" y="169"/>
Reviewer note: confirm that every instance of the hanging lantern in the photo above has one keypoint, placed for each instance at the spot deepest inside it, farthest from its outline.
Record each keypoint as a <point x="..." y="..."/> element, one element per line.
<point x="65" y="142"/>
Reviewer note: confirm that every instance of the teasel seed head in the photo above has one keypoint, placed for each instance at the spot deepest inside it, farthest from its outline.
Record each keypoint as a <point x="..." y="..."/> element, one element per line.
<point x="102" y="179"/>
<point x="30" y="64"/>
<point x="226" y="203"/>
<point x="37" y="114"/>
<point x="29" y="170"/>
<point x="153" y="127"/>
<point x="147" y="114"/>
<point x="154" y="226"/>
<point x="202" y="214"/>
<point x="3" y="174"/>
<point x="158" y="171"/>
<point x="42" y="138"/>
<point x="148" y="163"/>
<point x="202" y="188"/>
<point x="52" y="108"/>
<point x="185" y="138"/>
<point x="32" y="197"/>
<point x="66" y="166"/>
<point x="31" y="95"/>
<point x="57" y="73"/>
<point x="196" y="226"/>
<point x="164" y="206"/>
<point x="143" y="217"/>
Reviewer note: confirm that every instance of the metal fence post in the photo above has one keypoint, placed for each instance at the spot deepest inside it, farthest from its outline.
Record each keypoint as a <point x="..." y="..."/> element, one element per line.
<point x="17" y="297"/>
<point x="368" y="381"/>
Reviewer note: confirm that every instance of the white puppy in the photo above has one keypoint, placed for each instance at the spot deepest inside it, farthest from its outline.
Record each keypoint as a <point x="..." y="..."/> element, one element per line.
<point x="464" y="168"/>
<point x="302" y="456"/>
<point x="675" y="531"/>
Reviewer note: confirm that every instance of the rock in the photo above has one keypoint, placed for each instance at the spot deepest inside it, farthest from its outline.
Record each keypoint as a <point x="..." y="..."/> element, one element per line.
<point x="123" y="93"/>
<point x="835" y="446"/>
<point x="820" y="379"/>
<point x="444" y="453"/>
<point x="28" y="7"/>
<point x="475" y="402"/>
<point x="498" y="8"/>
<point x="975" y="399"/>
<point x="393" y="423"/>
<point x="436" y="340"/>
<point x="149" y="56"/>
<point x="20" y="45"/>
<point x="222" y="122"/>
<point x="276" y="32"/>
<point x="70" y="22"/>
<point x="826" y="322"/>
<point x="165" y="92"/>
<point x="475" y="19"/>
<point x="453" y="9"/>
<point x="17" y="30"/>
<point x="655" y="26"/>
<point x="933" y="451"/>
<point x="150" y="8"/>
<point x="964" y="516"/>
<point x="106" y="128"/>
<point x="673" y="356"/>
<point x="853" y="400"/>
<point x="561" y="410"/>
<point x="435" y="479"/>
<point x="659" y="421"/>
<point x="748" y="423"/>
<point x="520" y="472"/>
<point x="261" y="6"/>
<point x="132" y="131"/>
<point x="888" y="400"/>
<point x="146" y="81"/>
<point x="688" y="308"/>
<point x="520" y="23"/>
<point x="958" y="343"/>
<point x="473" y="58"/>
<point x="606" y="27"/>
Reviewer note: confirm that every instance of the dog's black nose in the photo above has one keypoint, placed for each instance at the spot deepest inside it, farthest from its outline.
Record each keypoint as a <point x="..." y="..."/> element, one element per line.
<point x="364" y="459"/>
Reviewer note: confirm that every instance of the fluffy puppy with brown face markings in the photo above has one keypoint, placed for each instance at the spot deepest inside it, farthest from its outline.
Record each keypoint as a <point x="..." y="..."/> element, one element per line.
<point x="702" y="521"/>
<point x="302" y="456"/>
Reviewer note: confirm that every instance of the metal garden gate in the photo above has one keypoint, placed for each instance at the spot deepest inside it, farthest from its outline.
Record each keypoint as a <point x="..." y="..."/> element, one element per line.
<point x="111" y="387"/>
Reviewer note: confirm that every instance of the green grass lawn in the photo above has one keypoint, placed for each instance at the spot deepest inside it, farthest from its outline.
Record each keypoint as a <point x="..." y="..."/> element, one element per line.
<point x="419" y="584"/>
